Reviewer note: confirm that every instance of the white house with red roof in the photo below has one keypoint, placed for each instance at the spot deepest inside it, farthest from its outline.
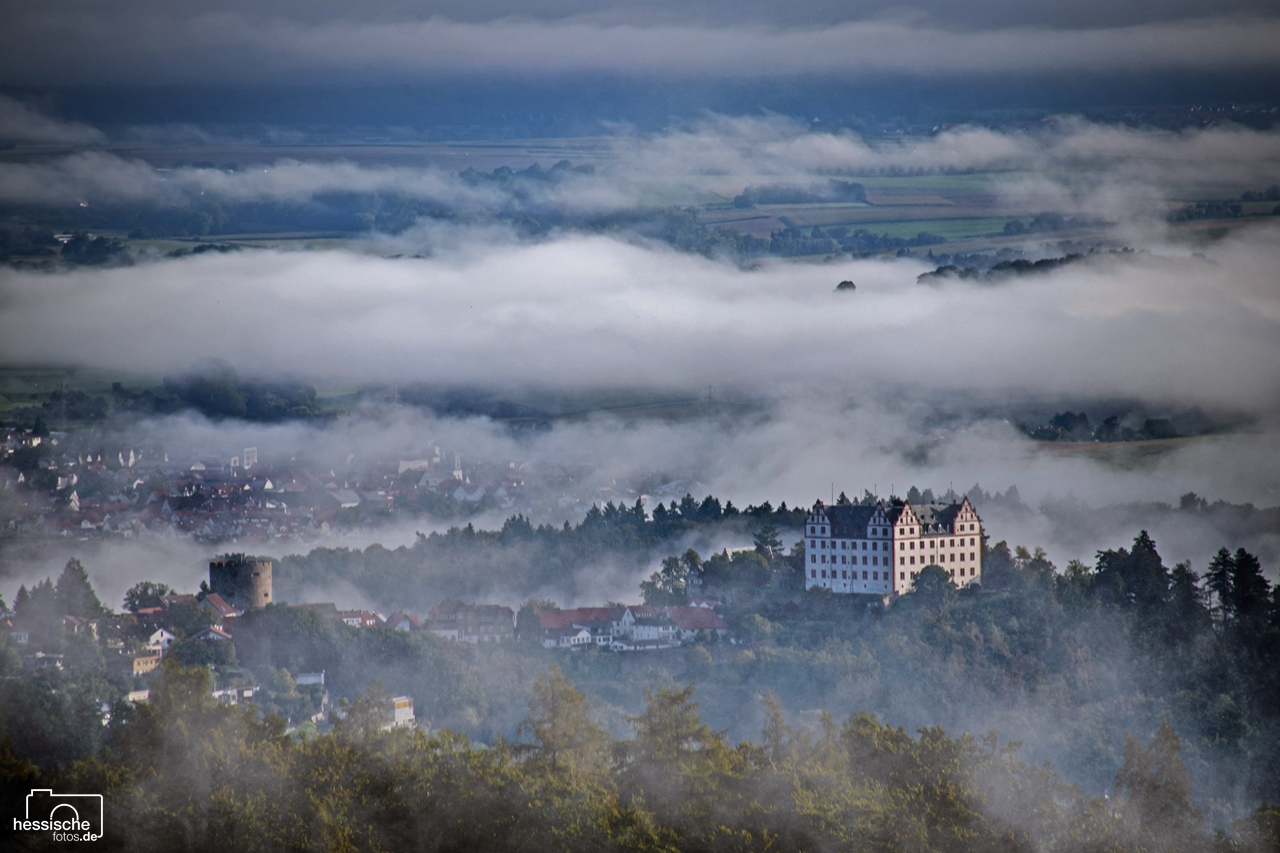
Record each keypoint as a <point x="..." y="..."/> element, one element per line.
<point x="565" y="628"/>
<point x="212" y="634"/>
<point x="692" y="619"/>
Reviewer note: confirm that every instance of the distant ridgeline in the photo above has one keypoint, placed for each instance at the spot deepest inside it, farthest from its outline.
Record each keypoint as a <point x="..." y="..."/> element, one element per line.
<point x="1231" y="209"/>
<point x="1072" y="426"/>
<point x="508" y="178"/>
<point x="1006" y="269"/>
<point x="832" y="191"/>
<point x="218" y="392"/>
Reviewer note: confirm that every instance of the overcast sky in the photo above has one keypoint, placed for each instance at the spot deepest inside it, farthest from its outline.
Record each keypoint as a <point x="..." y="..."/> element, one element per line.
<point x="146" y="41"/>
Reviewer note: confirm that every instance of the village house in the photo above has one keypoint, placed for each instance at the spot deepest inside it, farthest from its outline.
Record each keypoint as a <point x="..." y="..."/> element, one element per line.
<point x="692" y="620"/>
<point x="871" y="550"/>
<point x="645" y="627"/>
<point x="226" y="613"/>
<point x="403" y="622"/>
<point x="160" y="640"/>
<point x="80" y="625"/>
<point x="211" y="634"/>
<point x="453" y="619"/>
<point x="359" y="618"/>
<point x="235" y="695"/>
<point x="578" y="627"/>
<point x="401" y="716"/>
<point x="137" y="664"/>
<point x="629" y="628"/>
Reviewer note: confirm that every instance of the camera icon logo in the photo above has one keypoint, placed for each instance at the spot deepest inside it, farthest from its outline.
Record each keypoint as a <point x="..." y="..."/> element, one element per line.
<point x="71" y="817"/>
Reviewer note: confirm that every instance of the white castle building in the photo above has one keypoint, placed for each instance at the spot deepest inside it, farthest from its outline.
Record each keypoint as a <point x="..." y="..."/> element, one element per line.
<point x="875" y="550"/>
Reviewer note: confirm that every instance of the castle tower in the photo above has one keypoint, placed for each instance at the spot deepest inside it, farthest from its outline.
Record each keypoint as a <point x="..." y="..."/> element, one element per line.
<point x="243" y="582"/>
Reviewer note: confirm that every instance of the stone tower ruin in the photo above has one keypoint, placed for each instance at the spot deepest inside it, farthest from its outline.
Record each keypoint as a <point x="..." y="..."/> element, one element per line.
<point x="243" y="582"/>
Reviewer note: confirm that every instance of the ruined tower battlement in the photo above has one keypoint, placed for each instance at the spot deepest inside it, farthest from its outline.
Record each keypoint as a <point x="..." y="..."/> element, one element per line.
<point x="243" y="582"/>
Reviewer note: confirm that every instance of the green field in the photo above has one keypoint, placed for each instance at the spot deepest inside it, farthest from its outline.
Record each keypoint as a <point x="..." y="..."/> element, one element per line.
<point x="952" y="229"/>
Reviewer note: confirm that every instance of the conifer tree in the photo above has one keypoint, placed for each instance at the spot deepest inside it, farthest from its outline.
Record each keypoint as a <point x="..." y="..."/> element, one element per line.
<point x="1218" y="579"/>
<point x="1249" y="589"/>
<point x="75" y="594"/>
<point x="1158" y="789"/>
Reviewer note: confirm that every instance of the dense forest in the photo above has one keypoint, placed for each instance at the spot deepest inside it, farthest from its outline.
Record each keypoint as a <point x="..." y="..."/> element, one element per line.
<point x="186" y="772"/>
<point x="1154" y="693"/>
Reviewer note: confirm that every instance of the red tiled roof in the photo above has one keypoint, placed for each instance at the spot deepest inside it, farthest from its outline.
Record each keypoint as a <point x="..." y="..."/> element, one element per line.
<point x="217" y="603"/>
<point x="213" y="632"/>
<point x="555" y="620"/>
<point x="695" y="619"/>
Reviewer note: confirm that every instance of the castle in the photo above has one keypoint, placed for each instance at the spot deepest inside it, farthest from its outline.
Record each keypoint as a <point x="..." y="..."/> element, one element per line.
<point x="243" y="582"/>
<point x="874" y="550"/>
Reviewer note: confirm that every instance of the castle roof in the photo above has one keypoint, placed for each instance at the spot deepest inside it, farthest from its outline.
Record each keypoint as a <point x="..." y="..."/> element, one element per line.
<point x="850" y="519"/>
<point x="932" y="517"/>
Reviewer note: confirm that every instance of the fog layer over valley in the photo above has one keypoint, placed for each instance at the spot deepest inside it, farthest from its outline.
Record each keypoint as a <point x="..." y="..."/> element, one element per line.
<point x="578" y="311"/>
<point x="815" y="391"/>
<point x="664" y="409"/>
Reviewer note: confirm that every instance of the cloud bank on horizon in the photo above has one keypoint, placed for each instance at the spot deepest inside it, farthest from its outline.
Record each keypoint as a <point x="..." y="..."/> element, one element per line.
<point x="146" y="42"/>
<point x="1069" y="164"/>
<point x="597" y="312"/>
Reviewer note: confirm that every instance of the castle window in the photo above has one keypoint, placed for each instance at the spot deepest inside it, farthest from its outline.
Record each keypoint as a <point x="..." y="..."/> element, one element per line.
<point x="864" y="561"/>
<point x="824" y="531"/>
<point x="824" y="573"/>
<point x="812" y="558"/>
<point x="813" y="573"/>
<point x="913" y="561"/>
<point x="875" y="576"/>
<point x="844" y="575"/>
<point x="864" y="575"/>
<point x="902" y="576"/>
<point x="902" y="561"/>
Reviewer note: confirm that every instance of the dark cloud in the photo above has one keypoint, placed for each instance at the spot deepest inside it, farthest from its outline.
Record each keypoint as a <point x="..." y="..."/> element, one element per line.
<point x="160" y="43"/>
<point x="27" y="123"/>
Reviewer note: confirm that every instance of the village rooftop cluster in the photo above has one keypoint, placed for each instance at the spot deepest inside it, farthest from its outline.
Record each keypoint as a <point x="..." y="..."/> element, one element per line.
<point x="55" y="488"/>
